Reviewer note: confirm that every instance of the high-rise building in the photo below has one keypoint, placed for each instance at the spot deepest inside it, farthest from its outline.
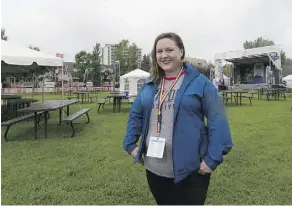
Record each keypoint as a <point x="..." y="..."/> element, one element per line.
<point x="108" y="54"/>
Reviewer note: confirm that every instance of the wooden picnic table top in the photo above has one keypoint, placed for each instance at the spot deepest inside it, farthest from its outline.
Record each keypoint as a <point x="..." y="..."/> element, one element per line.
<point x="10" y="96"/>
<point x="234" y="91"/>
<point x="23" y="100"/>
<point x="116" y="95"/>
<point x="50" y="105"/>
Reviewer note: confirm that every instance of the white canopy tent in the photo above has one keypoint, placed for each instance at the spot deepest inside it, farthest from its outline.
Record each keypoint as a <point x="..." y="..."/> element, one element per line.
<point x="21" y="61"/>
<point x="288" y="81"/>
<point x="133" y="81"/>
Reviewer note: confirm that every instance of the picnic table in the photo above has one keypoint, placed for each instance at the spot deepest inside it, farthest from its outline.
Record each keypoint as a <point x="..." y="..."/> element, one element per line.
<point x="45" y="107"/>
<point x="6" y="97"/>
<point x="271" y="92"/>
<point x="16" y="104"/>
<point x="236" y="93"/>
<point x="117" y="96"/>
<point x="84" y="96"/>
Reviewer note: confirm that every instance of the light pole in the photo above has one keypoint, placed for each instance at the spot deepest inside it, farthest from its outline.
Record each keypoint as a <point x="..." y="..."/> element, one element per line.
<point x="117" y="71"/>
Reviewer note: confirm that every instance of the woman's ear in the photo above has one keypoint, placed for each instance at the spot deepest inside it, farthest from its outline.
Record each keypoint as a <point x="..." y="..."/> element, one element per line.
<point x="182" y="54"/>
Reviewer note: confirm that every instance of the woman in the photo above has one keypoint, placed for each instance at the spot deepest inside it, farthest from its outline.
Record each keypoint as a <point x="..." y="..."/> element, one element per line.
<point x="178" y="151"/>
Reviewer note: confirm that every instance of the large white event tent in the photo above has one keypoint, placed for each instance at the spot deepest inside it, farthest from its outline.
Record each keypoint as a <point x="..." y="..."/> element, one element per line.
<point x="21" y="61"/>
<point x="288" y="80"/>
<point x="132" y="81"/>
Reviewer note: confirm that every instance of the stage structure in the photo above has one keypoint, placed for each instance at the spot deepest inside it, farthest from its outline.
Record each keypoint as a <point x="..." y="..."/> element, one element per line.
<point x="251" y="68"/>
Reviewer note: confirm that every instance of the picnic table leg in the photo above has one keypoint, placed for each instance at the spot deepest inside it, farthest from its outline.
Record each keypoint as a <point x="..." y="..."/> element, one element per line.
<point x="35" y="125"/>
<point x="240" y="97"/>
<point x="119" y="104"/>
<point x="46" y="124"/>
<point x="60" y="115"/>
<point x="114" y="105"/>
<point x="68" y="110"/>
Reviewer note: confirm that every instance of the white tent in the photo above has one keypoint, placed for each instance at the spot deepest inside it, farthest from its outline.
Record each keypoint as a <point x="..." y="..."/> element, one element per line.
<point x="20" y="60"/>
<point x="17" y="60"/>
<point x="132" y="81"/>
<point x="288" y="81"/>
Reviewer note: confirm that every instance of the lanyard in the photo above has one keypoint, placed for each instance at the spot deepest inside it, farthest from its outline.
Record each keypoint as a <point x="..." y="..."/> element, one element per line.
<point x="162" y="97"/>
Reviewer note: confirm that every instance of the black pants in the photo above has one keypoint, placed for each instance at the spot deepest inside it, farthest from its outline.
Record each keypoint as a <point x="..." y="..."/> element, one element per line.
<point x="190" y="191"/>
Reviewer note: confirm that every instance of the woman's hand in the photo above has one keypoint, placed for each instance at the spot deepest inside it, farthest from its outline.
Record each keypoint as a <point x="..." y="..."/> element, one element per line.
<point x="204" y="169"/>
<point x="134" y="152"/>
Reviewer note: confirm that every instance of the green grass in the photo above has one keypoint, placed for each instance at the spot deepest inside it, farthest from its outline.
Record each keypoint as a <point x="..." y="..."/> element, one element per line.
<point x="92" y="167"/>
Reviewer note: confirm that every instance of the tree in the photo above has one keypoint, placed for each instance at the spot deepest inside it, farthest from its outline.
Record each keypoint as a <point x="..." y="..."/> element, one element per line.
<point x="126" y="54"/>
<point x="95" y="64"/>
<point x="122" y="55"/>
<point x="82" y="62"/>
<point x="287" y="68"/>
<point x="91" y="61"/>
<point x="3" y="35"/>
<point x="34" y="48"/>
<point x="261" y="42"/>
<point x="145" y="65"/>
<point x="132" y="57"/>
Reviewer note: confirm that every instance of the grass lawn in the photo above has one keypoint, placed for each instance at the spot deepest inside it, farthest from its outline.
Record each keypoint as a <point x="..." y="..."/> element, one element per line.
<point x="92" y="167"/>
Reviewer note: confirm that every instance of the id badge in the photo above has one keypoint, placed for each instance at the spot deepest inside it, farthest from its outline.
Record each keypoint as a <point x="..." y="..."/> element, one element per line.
<point x="156" y="147"/>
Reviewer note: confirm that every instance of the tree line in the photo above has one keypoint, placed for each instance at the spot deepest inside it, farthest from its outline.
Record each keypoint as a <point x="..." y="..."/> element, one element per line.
<point x="127" y="54"/>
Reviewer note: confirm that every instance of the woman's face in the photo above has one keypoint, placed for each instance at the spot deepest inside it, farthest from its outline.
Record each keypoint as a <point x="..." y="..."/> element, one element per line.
<point x="168" y="55"/>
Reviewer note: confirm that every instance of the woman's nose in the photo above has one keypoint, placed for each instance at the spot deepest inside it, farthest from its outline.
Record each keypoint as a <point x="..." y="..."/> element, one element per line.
<point x="164" y="54"/>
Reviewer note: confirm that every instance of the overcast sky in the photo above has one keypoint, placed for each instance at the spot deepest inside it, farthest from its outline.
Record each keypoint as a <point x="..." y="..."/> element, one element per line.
<point x="206" y="27"/>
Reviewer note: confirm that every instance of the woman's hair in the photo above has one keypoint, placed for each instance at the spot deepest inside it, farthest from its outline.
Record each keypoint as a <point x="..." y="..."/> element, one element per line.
<point x="156" y="71"/>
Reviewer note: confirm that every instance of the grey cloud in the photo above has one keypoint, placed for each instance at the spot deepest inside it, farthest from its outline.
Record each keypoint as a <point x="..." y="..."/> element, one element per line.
<point x="206" y="26"/>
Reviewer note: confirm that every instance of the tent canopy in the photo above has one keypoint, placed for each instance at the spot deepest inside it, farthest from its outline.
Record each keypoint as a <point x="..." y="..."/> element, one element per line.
<point x="137" y="73"/>
<point x="260" y="54"/>
<point x="19" y="60"/>
<point x="133" y="81"/>
<point x="288" y="78"/>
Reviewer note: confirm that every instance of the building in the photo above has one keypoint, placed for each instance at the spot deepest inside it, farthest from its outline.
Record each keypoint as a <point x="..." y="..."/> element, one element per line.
<point x="108" y="53"/>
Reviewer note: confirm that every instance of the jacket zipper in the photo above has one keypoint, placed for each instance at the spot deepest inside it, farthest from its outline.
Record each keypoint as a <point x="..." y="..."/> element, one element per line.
<point x="173" y="153"/>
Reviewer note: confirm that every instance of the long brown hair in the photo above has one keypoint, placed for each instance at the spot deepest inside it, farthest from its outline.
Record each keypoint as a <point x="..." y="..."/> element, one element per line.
<point x="156" y="71"/>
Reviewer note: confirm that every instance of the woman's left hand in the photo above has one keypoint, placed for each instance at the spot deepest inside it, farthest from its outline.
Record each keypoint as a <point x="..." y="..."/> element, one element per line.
<point x="204" y="169"/>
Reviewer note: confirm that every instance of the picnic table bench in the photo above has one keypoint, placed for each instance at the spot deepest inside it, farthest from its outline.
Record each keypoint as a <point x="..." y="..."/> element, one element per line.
<point x="10" y="122"/>
<point x="101" y="103"/>
<point x="72" y="97"/>
<point x="76" y="115"/>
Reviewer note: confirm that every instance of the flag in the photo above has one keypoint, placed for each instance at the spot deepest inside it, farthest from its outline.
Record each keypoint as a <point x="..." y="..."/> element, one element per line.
<point x="60" y="55"/>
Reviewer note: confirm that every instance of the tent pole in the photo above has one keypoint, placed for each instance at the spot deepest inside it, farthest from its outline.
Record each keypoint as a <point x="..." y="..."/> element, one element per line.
<point x="62" y="82"/>
<point x="43" y="99"/>
<point x="33" y="81"/>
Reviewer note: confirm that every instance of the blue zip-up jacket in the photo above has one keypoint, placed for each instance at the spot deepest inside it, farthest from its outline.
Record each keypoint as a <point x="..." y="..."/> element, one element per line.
<point x="192" y="140"/>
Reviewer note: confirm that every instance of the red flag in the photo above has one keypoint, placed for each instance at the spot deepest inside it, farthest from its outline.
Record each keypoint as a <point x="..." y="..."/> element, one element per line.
<point x="60" y="55"/>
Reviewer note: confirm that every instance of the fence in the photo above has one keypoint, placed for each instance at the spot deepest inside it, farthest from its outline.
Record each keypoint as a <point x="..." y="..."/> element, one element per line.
<point x="51" y="90"/>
